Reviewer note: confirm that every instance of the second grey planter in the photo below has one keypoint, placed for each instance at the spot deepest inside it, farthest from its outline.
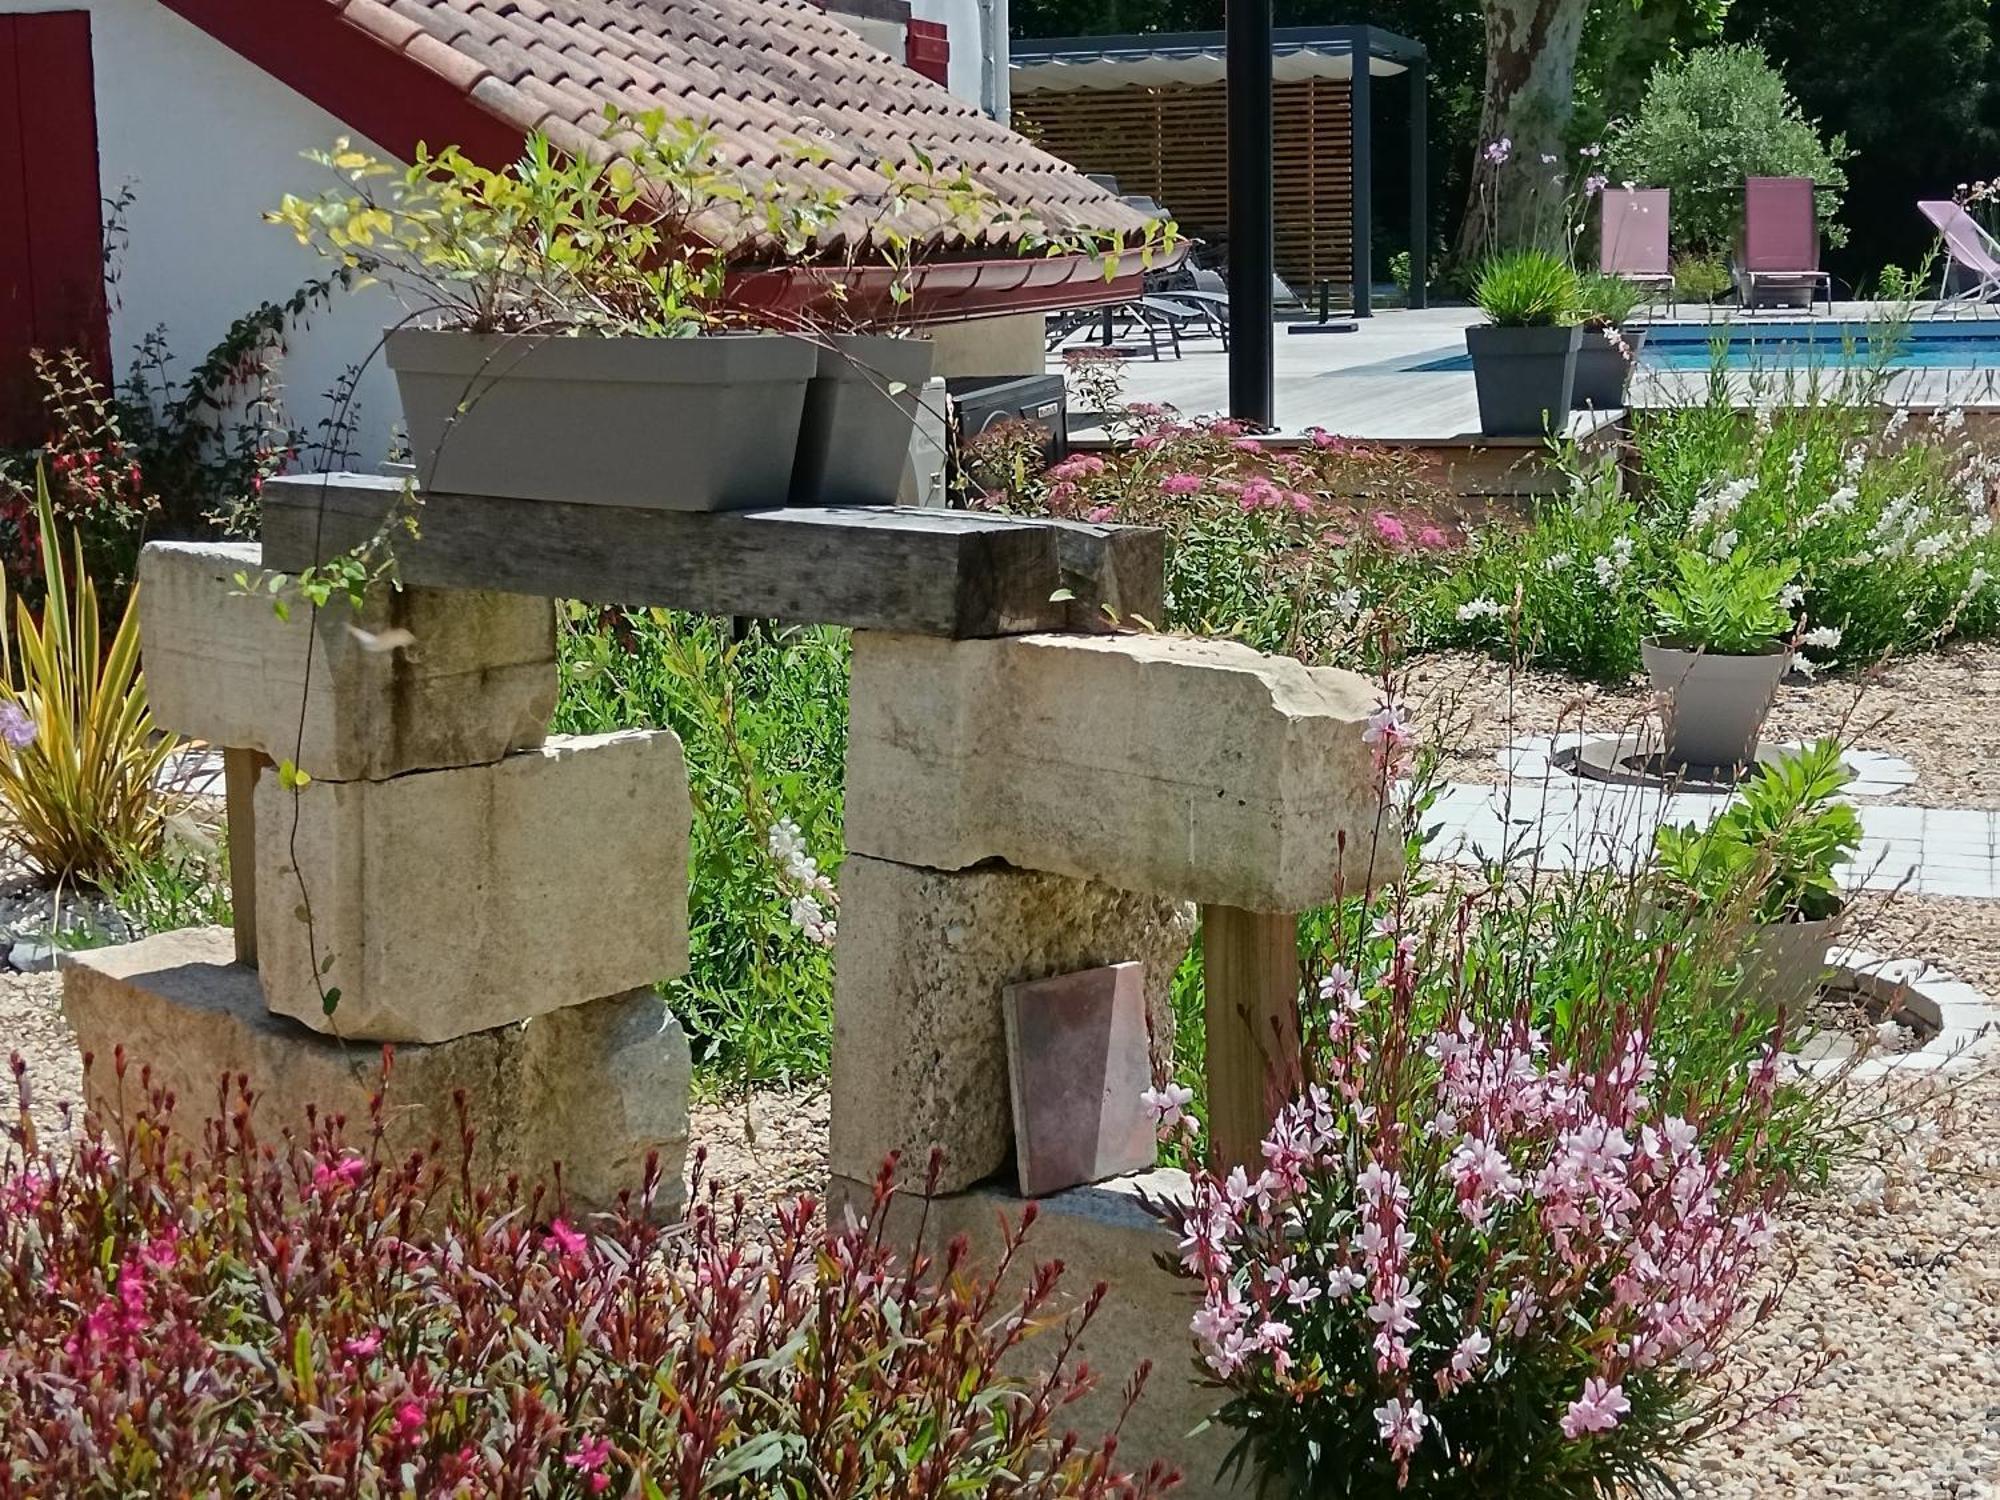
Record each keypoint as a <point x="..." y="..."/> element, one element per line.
<point x="1784" y="963"/>
<point x="1603" y="369"/>
<point x="1524" y="377"/>
<point x="860" y="412"/>
<point x="1715" y="705"/>
<point x="707" y="423"/>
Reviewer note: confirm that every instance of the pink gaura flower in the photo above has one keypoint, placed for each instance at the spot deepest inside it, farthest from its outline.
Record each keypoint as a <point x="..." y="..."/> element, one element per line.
<point x="363" y="1347"/>
<point x="1401" y="1424"/>
<point x="409" y="1420"/>
<point x="566" y="1240"/>
<point x="589" y="1457"/>
<point x="337" y="1175"/>
<point x="1392" y="739"/>
<point x="1596" y="1410"/>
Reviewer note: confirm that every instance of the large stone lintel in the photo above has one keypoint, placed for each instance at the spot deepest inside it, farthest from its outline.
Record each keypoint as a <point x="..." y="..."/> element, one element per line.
<point x="1190" y="768"/>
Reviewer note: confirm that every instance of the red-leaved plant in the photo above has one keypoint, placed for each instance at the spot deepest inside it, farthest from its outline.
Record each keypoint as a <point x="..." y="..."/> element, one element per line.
<point x="1478" y="1259"/>
<point x="235" y="1316"/>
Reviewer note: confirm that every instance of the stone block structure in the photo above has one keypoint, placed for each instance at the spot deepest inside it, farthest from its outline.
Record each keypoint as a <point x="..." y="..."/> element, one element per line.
<point x="1023" y="806"/>
<point x="493" y="901"/>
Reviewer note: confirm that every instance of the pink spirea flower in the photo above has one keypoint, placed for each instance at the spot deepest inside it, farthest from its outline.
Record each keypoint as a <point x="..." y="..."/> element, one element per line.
<point x="1180" y="484"/>
<point x="16" y="728"/>
<point x="1389" y="529"/>
<point x="1102" y="513"/>
<point x="1247" y="445"/>
<point x="566" y="1240"/>
<point x="1434" y="537"/>
<point x="1596" y="1410"/>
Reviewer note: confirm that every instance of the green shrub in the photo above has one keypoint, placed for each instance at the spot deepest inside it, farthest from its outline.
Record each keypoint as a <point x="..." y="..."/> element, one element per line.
<point x="1527" y="289"/>
<point x="1729" y="606"/>
<point x="1700" y="278"/>
<point x="1708" y="121"/>
<point x="1609" y="300"/>
<point x="1779" y="841"/>
<point x="763" y="721"/>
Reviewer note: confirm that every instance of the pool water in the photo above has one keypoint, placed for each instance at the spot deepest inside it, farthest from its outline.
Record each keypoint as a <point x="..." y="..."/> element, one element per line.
<point x="1938" y="344"/>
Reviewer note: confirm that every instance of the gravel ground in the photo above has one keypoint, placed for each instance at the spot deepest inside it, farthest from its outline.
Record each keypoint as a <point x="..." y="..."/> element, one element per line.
<point x="1936" y="711"/>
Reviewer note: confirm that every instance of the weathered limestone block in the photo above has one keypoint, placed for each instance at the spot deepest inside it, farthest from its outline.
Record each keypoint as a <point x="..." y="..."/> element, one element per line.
<point x="477" y="680"/>
<point x="448" y="902"/>
<point x="1191" y="768"/>
<point x="596" y="1087"/>
<point x="1103" y="1232"/>
<point x="919" y="1037"/>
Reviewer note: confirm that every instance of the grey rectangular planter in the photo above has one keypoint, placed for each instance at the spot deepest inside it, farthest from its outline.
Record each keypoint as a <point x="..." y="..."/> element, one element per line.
<point x="860" y="411"/>
<point x="1603" y="370"/>
<point x="707" y="423"/>
<point x="1524" y="378"/>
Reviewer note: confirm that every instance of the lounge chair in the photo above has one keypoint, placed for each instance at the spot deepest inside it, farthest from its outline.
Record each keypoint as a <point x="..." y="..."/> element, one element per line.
<point x="1780" y="241"/>
<point x="1968" y="245"/>
<point x="1633" y="241"/>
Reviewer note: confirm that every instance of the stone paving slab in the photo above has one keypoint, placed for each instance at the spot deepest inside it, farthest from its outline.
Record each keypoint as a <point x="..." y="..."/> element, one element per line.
<point x="1565" y="823"/>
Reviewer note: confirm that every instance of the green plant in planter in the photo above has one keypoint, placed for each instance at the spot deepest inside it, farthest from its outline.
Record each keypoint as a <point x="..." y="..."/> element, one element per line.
<point x="1731" y="607"/>
<point x="1775" y="847"/>
<point x="1527" y="289"/>
<point x="1607" y="301"/>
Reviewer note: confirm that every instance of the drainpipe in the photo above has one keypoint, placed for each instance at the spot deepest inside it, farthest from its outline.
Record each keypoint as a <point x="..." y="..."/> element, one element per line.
<point x="993" y="59"/>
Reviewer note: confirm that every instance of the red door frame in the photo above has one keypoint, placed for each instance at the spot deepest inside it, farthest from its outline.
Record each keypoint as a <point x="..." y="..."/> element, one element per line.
<point x="51" y="209"/>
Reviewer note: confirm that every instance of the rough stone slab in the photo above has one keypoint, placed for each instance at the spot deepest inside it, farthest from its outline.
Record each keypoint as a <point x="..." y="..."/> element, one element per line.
<point x="478" y="679"/>
<point x="1191" y="768"/>
<point x="919" y="1042"/>
<point x="1105" y="1232"/>
<point x="1078" y="1060"/>
<point x="875" y="567"/>
<point x="454" y="901"/>
<point x="596" y="1087"/>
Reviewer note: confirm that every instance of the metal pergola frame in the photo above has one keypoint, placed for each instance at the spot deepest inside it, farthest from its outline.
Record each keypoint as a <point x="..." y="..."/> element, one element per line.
<point x="1248" y="48"/>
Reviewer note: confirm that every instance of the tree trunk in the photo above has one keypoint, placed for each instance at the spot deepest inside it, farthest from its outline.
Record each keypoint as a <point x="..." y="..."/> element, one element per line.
<point x="1531" y="48"/>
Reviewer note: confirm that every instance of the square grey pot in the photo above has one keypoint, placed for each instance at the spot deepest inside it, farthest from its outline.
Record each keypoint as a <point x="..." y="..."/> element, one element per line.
<point x="1603" y="370"/>
<point x="1715" y="705"/>
<point x="861" y="409"/>
<point x="1524" y="378"/>
<point x="1784" y="963"/>
<point x="708" y="423"/>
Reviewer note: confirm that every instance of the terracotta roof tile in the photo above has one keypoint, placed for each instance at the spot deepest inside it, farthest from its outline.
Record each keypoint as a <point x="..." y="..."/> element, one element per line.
<point x="760" y="73"/>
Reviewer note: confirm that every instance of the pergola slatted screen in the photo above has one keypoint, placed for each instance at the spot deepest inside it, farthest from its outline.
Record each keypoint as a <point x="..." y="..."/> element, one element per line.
<point x="1167" y="144"/>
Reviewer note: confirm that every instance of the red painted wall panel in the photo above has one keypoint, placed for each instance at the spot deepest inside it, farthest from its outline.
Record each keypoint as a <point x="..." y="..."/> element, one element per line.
<point x="51" y="210"/>
<point x="927" y="49"/>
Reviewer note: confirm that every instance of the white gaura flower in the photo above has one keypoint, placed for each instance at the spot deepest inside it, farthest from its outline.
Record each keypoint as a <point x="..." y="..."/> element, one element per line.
<point x="1935" y="545"/>
<point x="1481" y="609"/>
<point x="1821" y="638"/>
<point x="1791" y="596"/>
<point x="1723" y="545"/>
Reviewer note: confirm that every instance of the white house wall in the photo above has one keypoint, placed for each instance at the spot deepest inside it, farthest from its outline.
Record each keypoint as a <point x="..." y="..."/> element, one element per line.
<point x="207" y="142"/>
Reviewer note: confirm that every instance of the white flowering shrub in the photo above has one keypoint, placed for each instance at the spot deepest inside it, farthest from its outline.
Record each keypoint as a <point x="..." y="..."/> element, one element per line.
<point x="1480" y="1255"/>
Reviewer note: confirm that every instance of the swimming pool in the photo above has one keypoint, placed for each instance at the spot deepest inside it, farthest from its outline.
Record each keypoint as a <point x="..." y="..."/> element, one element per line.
<point x="1930" y="344"/>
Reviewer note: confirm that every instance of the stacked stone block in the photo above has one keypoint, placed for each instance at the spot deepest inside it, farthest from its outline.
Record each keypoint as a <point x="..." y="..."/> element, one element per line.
<point x="1026" y="806"/>
<point x="494" y="901"/>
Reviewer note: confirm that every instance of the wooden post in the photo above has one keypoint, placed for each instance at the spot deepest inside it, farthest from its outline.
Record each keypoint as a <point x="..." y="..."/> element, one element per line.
<point x="1250" y="984"/>
<point x="240" y="770"/>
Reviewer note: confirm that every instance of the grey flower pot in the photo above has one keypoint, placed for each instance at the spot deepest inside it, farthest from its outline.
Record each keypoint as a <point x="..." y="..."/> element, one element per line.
<point x="1524" y="377"/>
<point x="669" y="424"/>
<point x="860" y="411"/>
<point x="1603" y="370"/>
<point x="1784" y="963"/>
<point x="1715" y="705"/>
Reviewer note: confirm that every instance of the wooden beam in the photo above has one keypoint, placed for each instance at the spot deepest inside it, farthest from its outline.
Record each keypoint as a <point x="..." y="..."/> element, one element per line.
<point x="919" y="571"/>
<point x="1250" y="1007"/>
<point x="240" y="770"/>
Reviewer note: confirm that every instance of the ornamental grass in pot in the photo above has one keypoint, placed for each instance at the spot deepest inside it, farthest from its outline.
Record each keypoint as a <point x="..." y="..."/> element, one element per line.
<point x="1762" y="872"/>
<point x="1719" y="653"/>
<point x="1524" y="354"/>
<point x="1608" y="348"/>
<point x="563" y="337"/>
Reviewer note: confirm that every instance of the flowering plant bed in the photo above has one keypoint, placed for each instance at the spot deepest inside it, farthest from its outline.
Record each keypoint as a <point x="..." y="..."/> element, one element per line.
<point x="1478" y="1258"/>
<point x="222" y="1314"/>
